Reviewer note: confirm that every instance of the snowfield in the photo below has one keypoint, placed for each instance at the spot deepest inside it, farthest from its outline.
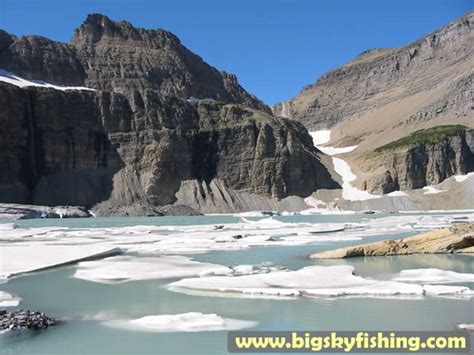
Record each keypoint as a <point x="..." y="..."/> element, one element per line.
<point x="16" y="80"/>
<point x="341" y="167"/>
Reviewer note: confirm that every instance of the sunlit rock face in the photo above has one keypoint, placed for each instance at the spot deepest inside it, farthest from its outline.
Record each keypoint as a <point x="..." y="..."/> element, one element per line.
<point x="128" y="114"/>
<point x="385" y="95"/>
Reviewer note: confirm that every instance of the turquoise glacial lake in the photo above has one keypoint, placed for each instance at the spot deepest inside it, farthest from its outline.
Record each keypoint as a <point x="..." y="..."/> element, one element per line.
<point x="83" y="305"/>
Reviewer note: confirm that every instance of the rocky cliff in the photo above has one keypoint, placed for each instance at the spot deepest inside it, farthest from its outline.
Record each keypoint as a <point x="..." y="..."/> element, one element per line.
<point x="157" y="116"/>
<point x="385" y="95"/>
<point x="410" y="164"/>
<point x="378" y="77"/>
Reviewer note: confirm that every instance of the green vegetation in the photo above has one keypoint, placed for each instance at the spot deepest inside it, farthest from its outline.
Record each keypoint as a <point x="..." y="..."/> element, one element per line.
<point x="424" y="136"/>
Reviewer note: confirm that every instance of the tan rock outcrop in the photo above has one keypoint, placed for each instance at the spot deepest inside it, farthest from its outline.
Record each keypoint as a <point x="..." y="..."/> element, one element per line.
<point x="455" y="239"/>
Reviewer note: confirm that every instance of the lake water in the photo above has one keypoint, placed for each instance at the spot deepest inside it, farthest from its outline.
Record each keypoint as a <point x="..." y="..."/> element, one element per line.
<point x="84" y="306"/>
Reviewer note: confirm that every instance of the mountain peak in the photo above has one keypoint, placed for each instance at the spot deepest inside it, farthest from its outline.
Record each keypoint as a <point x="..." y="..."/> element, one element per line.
<point x="98" y="27"/>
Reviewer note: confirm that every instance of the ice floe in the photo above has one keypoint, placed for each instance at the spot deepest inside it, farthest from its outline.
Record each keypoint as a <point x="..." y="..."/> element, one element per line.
<point x="23" y="258"/>
<point x="185" y="322"/>
<point x="465" y="326"/>
<point x="13" y="79"/>
<point x="439" y="290"/>
<point x="311" y="281"/>
<point x="8" y="300"/>
<point x="129" y="268"/>
<point x="30" y="249"/>
<point x="8" y="226"/>
<point x="433" y="276"/>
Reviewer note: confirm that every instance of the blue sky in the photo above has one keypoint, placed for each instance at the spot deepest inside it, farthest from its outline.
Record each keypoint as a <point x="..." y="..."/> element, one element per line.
<point x="274" y="46"/>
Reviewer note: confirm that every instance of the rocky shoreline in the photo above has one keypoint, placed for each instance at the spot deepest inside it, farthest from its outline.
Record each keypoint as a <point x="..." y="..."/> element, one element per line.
<point x="455" y="239"/>
<point x="24" y="319"/>
<point x="15" y="211"/>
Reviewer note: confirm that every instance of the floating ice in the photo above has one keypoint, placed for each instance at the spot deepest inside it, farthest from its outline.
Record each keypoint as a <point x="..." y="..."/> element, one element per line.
<point x="31" y="249"/>
<point x="433" y="276"/>
<point x="7" y="226"/>
<point x="311" y="281"/>
<point x="465" y="326"/>
<point x="185" y="322"/>
<point x="23" y="258"/>
<point x="128" y="268"/>
<point x="13" y="79"/>
<point x="7" y="300"/>
<point x="437" y="290"/>
<point x="267" y="223"/>
<point x="255" y="214"/>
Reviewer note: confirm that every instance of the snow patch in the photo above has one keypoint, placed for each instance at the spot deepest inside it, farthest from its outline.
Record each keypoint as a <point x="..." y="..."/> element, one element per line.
<point x="185" y="322"/>
<point x="430" y="190"/>
<point x="397" y="194"/>
<point x="461" y="178"/>
<point x="323" y="137"/>
<point x="335" y="150"/>
<point x="320" y="137"/>
<point x="348" y="191"/>
<point x="13" y="79"/>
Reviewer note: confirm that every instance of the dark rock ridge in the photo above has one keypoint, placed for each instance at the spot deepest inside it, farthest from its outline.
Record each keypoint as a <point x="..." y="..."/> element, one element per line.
<point x="24" y="320"/>
<point x="159" y="116"/>
<point x="414" y="167"/>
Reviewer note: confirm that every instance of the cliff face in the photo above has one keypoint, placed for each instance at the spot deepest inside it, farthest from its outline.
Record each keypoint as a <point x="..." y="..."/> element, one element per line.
<point x="159" y="115"/>
<point x="378" y="77"/>
<point x="55" y="145"/>
<point x="384" y="95"/>
<point x="406" y="168"/>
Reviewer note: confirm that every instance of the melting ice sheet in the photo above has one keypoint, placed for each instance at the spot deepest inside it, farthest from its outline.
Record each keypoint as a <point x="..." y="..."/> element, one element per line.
<point x="436" y="276"/>
<point x="185" y="322"/>
<point x="30" y="249"/>
<point x="23" y="258"/>
<point x="312" y="281"/>
<point x="129" y="268"/>
<point x="8" y="300"/>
